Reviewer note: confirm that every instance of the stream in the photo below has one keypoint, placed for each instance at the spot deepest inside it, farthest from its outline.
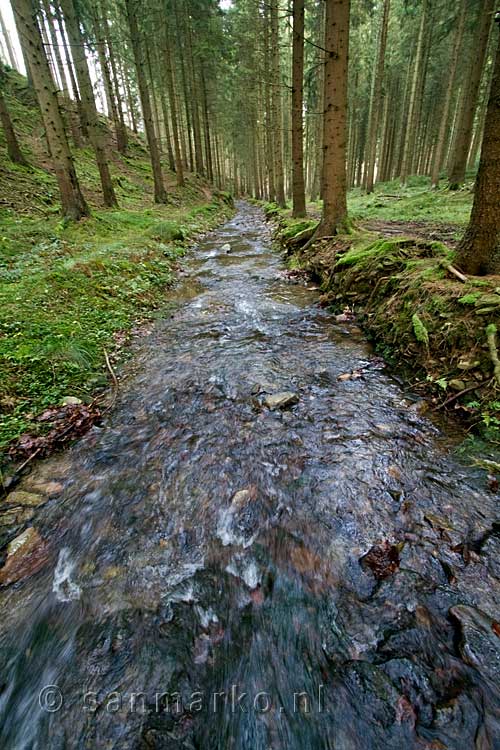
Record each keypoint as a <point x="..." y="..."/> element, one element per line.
<point x="253" y="553"/>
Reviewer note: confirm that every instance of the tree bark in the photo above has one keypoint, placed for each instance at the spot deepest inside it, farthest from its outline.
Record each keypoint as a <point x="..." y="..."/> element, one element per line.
<point x="160" y="194"/>
<point x="334" y="218"/>
<point x="13" y="149"/>
<point x="298" y="188"/>
<point x="479" y="250"/>
<point x="376" y="98"/>
<point x="88" y="102"/>
<point x="55" y="47"/>
<point x="411" y="123"/>
<point x="72" y="200"/>
<point x="445" y="115"/>
<point x="466" y="122"/>
<point x="169" y="74"/>
<point x="279" y="178"/>
<point x="8" y="43"/>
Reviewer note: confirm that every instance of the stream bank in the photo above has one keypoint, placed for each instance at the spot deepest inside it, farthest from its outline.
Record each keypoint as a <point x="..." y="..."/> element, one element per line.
<point x="397" y="280"/>
<point x="256" y="548"/>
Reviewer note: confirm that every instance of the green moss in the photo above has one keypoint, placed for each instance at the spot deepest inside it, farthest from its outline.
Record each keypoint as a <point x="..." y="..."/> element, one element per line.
<point x="167" y="231"/>
<point x="361" y="253"/>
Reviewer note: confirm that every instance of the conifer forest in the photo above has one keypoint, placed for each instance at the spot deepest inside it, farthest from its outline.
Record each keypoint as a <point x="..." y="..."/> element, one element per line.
<point x="249" y="374"/>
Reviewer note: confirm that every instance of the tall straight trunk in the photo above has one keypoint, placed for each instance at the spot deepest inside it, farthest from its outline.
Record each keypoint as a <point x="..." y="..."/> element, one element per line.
<point x="206" y="119"/>
<point x="479" y="250"/>
<point x="121" y="135"/>
<point x="55" y="48"/>
<point x="112" y="92"/>
<point x="468" y="110"/>
<point x="195" y="100"/>
<point x="79" y="135"/>
<point x="376" y="98"/>
<point x="411" y="123"/>
<point x="169" y="74"/>
<point x="13" y="150"/>
<point x="269" y="109"/>
<point x="334" y="190"/>
<point x="130" y="98"/>
<point x="451" y="75"/>
<point x="88" y="101"/>
<point x="106" y="76"/>
<point x="160" y="194"/>
<point x="72" y="200"/>
<point x="298" y="188"/>
<point x="276" y="107"/>
<point x="8" y="43"/>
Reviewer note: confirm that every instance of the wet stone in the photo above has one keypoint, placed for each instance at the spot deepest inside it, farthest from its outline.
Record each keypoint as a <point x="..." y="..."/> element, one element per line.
<point x="26" y="555"/>
<point x="281" y="400"/>
<point x="29" y="499"/>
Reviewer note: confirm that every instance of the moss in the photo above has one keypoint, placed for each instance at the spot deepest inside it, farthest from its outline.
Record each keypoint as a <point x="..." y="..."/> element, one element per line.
<point x="470" y="298"/>
<point x="167" y="231"/>
<point x="363" y="253"/>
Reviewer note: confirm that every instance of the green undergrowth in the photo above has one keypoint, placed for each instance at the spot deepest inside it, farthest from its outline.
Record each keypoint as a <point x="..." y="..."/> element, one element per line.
<point x="69" y="292"/>
<point x="76" y="291"/>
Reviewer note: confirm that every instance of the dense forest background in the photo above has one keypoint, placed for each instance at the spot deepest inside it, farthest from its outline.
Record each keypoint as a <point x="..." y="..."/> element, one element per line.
<point x="221" y="90"/>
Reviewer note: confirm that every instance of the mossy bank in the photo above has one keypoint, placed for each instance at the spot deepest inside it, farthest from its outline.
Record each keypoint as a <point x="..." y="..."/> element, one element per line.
<point x="400" y="283"/>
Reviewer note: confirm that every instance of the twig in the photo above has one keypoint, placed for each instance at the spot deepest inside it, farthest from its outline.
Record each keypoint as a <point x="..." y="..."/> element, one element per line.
<point x="111" y="371"/>
<point x="457" y="273"/>
<point x="461" y="393"/>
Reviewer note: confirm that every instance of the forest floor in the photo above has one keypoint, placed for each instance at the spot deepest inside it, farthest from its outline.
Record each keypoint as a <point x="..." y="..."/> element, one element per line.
<point x="73" y="295"/>
<point x="391" y="275"/>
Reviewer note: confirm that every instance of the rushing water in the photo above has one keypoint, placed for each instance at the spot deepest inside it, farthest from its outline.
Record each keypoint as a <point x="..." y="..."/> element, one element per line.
<point x="205" y="586"/>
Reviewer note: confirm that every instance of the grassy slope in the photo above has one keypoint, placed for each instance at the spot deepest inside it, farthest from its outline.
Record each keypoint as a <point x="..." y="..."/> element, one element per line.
<point x="67" y="292"/>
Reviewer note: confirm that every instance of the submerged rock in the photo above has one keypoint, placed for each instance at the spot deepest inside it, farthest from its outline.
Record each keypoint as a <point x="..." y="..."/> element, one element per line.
<point x="26" y="555"/>
<point x="480" y="639"/>
<point x="281" y="400"/>
<point x="29" y="499"/>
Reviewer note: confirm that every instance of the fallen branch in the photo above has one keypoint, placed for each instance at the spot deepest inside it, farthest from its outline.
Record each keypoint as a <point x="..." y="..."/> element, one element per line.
<point x="474" y="387"/>
<point x="111" y="371"/>
<point x="457" y="273"/>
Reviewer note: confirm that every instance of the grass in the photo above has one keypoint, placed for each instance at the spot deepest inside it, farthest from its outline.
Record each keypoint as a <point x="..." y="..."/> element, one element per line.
<point x="68" y="292"/>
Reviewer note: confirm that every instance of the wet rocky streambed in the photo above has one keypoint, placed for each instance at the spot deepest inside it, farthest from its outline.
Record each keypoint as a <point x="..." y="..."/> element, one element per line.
<point x="265" y="546"/>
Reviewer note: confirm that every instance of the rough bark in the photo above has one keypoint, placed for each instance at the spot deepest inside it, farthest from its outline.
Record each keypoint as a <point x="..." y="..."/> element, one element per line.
<point x="13" y="149"/>
<point x="466" y="121"/>
<point x="160" y="194"/>
<point x="377" y="98"/>
<point x="279" y="177"/>
<point x="298" y="188"/>
<point x="411" y="122"/>
<point x="169" y="74"/>
<point x="88" y="102"/>
<point x="55" y="49"/>
<point x="10" y="49"/>
<point x="479" y="250"/>
<point x="73" y="203"/>
<point x="334" y="217"/>
<point x="445" y="115"/>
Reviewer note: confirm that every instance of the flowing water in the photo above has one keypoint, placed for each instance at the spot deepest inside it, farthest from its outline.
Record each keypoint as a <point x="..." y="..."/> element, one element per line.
<point x="206" y="585"/>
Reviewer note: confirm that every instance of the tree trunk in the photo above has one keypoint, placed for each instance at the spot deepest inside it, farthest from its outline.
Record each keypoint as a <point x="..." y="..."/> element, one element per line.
<point x="169" y="73"/>
<point x="298" y="188"/>
<point x="334" y="218"/>
<point x="269" y="109"/>
<point x="13" y="149"/>
<point x="479" y="250"/>
<point x="445" y="115"/>
<point x="411" y="122"/>
<point x="55" y="48"/>
<point x="376" y="99"/>
<point x="73" y="203"/>
<point x="88" y="101"/>
<point x="10" y="49"/>
<point x="79" y="135"/>
<point x="276" y="107"/>
<point x="160" y="194"/>
<point x="466" y="122"/>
